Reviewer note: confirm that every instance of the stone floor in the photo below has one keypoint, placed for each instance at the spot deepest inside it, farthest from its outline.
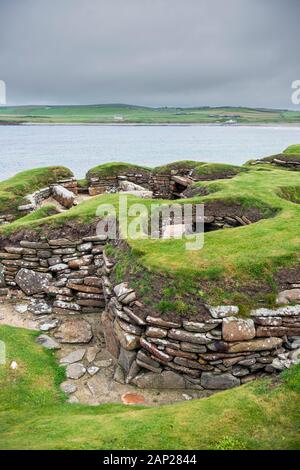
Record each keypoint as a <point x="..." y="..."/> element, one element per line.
<point x="93" y="364"/>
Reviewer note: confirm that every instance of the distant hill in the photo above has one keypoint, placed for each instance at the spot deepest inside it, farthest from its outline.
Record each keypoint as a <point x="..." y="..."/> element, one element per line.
<point x="134" y="114"/>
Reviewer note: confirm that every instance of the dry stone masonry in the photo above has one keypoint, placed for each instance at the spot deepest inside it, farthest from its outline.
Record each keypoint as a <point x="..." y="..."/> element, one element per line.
<point x="63" y="191"/>
<point x="220" y="352"/>
<point x="69" y="288"/>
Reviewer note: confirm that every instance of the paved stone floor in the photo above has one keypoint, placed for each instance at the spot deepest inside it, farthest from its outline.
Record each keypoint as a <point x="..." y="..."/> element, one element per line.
<point x="98" y="388"/>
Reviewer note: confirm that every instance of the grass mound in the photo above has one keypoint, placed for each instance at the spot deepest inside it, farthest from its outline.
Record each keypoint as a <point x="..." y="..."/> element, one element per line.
<point x="13" y="190"/>
<point x="292" y="150"/>
<point x="115" y="169"/>
<point x="33" y="414"/>
<point x="200" y="170"/>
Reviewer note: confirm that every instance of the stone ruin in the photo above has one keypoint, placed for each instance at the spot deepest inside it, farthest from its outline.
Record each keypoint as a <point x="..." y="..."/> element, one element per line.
<point x="69" y="287"/>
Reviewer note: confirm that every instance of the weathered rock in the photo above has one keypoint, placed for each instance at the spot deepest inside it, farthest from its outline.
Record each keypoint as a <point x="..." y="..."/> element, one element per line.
<point x="34" y="245"/>
<point x="93" y="281"/>
<point x="74" y="331"/>
<point x="133" y="372"/>
<point x="65" y="197"/>
<point x="74" y="356"/>
<point x="75" y="371"/>
<point x="47" y="326"/>
<point x="64" y="242"/>
<point x="119" y="375"/>
<point x="79" y="262"/>
<point x="155" y="351"/>
<point x="47" y="342"/>
<point x="67" y="305"/>
<point x="288" y="297"/>
<point x="58" y="267"/>
<point x="85" y="247"/>
<point x="268" y="321"/>
<point x="289" y="311"/>
<point x="146" y="360"/>
<point x="237" y="329"/>
<point x="126" y="358"/>
<point x="223" y="311"/>
<point x="191" y="364"/>
<point x="179" y="353"/>
<point x="68" y="387"/>
<point x="185" y="336"/>
<point x="165" y="380"/>
<point x="91" y="353"/>
<point x="157" y="321"/>
<point x="155" y="332"/>
<point x="200" y="327"/>
<point x="218" y="382"/>
<point x="93" y="370"/>
<point x="193" y="348"/>
<point x="134" y="316"/>
<point x="127" y="340"/>
<point x="104" y="363"/>
<point x="267" y="331"/>
<point x="40" y="307"/>
<point x="84" y="288"/>
<point x="32" y="282"/>
<point x="124" y="294"/>
<point x="111" y="340"/>
<point x="21" y="308"/>
<point x="129" y="327"/>
<point x="256" y="345"/>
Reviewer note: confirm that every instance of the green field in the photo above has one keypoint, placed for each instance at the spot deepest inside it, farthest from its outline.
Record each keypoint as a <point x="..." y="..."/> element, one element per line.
<point x="230" y="259"/>
<point x="34" y="415"/>
<point x="117" y="113"/>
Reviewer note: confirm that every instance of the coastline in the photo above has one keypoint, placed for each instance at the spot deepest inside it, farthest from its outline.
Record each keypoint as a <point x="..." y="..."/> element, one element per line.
<point x="151" y="124"/>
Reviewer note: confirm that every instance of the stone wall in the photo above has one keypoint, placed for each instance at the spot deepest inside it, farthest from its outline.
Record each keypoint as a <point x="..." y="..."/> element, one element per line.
<point x="32" y="201"/>
<point x="69" y="287"/>
<point x="161" y="185"/>
<point x="62" y="281"/>
<point x="220" y="352"/>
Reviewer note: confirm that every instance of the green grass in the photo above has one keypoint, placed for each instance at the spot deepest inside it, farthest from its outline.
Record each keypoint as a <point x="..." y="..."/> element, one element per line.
<point x="292" y="150"/>
<point x="245" y="254"/>
<point x="13" y="190"/>
<point x="33" y="414"/>
<point x="114" y="169"/>
<point x="138" y="114"/>
<point x="199" y="168"/>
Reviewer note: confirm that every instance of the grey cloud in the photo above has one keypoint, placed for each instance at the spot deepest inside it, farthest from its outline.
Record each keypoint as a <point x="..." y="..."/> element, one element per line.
<point x="153" y="52"/>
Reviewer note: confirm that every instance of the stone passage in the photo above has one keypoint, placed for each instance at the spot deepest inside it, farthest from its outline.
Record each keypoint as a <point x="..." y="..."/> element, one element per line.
<point x="68" y="285"/>
<point x="220" y="352"/>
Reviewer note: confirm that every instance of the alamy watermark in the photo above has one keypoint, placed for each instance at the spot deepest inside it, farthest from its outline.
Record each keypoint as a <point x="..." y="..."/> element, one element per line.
<point x="296" y="93"/>
<point x="2" y="353"/>
<point x="2" y="92"/>
<point x="152" y="221"/>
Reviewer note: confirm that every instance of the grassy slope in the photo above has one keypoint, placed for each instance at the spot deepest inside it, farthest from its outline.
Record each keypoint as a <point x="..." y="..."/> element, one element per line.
<point x="33" y="414"/>
<point x="114" y="169"/>
<point x="292" y="150"/>
<point x="14" y="189"/>
<point x="200" y="168"/>
<point x="243" y="253"/>
<point x="138" y="114"/>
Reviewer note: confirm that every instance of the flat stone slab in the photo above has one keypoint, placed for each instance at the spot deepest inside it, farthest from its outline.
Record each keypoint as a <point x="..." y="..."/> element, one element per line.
<point x="32" y="282"/>
<point x="74" y="356"/>
<point x="47" y="342"/>
<point x="75" y="371"/>
<point x="74" y="331"/>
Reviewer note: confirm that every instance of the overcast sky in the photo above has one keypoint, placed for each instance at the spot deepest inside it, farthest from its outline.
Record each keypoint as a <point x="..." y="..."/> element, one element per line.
<point x="150" y="52"/>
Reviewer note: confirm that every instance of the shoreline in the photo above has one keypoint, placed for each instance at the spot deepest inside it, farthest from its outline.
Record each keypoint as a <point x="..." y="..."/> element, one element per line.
<point x="150" y="124"/>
